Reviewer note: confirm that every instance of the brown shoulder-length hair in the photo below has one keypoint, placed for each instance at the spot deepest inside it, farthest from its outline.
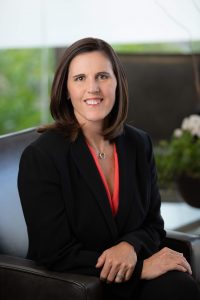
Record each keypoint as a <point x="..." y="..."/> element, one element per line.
<point x="60" y="106"/>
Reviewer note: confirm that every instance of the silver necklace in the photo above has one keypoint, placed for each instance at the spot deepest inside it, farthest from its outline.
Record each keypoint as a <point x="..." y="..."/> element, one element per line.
<point x="100" y="154"/>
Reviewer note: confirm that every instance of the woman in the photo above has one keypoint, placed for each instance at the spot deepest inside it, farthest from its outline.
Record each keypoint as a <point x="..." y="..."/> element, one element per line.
<point x="88" y="185"/>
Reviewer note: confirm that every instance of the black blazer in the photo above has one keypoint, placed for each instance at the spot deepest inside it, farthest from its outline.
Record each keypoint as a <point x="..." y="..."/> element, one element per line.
<point x="68" y="216"/>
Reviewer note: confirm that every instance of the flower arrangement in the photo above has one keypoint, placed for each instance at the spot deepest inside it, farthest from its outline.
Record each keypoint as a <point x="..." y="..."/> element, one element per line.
<point x="180" y="156"/>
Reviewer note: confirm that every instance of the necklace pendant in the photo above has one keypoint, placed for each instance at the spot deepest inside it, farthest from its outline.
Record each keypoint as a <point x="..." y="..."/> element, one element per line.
<point x="101" y="155"/>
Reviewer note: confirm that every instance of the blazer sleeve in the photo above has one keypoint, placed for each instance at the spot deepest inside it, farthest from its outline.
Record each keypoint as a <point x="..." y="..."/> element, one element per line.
<point x="147" y="238"/>
<point x="51" y="241"/>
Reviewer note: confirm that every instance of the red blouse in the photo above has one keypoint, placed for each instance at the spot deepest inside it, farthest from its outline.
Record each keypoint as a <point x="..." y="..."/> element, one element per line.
<point x="113" y="199"/>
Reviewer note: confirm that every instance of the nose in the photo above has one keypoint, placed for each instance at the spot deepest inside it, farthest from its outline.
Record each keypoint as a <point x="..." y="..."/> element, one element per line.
<point x="93" y="86"/>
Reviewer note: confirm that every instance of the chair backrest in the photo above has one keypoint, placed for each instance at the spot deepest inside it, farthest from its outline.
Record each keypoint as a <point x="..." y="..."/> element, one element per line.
<point x="13" y="233"/>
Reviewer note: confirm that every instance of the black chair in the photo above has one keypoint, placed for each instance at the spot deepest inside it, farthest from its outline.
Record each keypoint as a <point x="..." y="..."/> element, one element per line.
<point x="23" y="279"/>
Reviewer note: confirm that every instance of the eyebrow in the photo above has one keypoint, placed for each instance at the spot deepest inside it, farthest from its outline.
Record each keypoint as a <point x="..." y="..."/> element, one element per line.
<point x="98" y="73"/>
<point x="103" y="72"/>
<point x="78" y="75"/>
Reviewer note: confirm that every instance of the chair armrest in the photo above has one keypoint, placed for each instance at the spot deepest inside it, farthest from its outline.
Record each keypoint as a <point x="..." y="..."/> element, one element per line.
<point x="189" y="245"/>
<point x="23" y="279"/>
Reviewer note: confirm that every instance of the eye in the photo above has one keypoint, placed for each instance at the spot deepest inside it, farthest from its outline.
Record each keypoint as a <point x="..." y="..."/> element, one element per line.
<point x="103" y="76"/>
<point x="79" y="78"/>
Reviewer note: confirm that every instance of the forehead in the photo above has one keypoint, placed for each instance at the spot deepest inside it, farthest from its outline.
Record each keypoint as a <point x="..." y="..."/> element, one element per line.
<point x="90" y="61"/>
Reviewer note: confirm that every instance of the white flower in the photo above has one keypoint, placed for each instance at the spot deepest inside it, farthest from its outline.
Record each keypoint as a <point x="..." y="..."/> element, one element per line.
<point x="185" y="124"/>
<point x="192" y="124"/>
<point x="178" y="132"/>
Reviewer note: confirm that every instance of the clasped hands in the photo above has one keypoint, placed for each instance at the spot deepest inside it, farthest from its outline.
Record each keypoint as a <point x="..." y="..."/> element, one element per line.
<point x="118" y="262"/>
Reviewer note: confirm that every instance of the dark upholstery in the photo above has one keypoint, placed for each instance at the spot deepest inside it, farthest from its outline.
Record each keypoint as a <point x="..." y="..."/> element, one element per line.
<point x="21" y="278"/>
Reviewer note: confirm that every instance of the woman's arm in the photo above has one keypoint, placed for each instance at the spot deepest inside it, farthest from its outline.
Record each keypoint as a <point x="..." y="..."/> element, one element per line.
<point x="51" y="241"/>
<point x="146" y="239"/>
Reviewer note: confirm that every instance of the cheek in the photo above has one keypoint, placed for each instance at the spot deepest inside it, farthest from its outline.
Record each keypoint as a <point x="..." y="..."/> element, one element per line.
<point x="73" y="97"/>
<point x="75" y="101"/>
<point x="72" y="90"/>
<point x="112" y="91"/>
<point x="73" y="93"/>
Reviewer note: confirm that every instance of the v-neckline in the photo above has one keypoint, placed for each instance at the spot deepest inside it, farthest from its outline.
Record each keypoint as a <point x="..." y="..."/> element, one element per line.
<point x="114" y="198"/>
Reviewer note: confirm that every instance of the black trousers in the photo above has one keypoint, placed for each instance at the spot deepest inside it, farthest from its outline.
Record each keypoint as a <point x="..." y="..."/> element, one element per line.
<point x="173" y="285"/>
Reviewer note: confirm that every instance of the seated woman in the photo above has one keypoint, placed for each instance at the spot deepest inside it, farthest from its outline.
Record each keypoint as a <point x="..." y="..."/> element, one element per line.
<point x="88" y="186"/>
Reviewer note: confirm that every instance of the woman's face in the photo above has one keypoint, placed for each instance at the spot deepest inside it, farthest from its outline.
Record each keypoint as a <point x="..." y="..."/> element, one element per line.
<point x="91" y="86"/>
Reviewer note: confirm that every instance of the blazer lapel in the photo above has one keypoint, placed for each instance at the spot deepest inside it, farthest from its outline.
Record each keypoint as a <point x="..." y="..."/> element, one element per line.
<point x="130" y="194"/>
<point x="127" y="175"/>
<point x="86" y="165"/>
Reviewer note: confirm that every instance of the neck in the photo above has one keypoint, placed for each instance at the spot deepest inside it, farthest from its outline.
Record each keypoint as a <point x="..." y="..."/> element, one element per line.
<point x="93" y="135"/>
<point x="96" y="140"/>
<point x="102" y="147"/>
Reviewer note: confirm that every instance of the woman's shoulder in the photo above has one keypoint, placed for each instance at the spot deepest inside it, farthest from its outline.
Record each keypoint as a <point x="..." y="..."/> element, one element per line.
<point x="136" y="133"/>
<point x="52" y="136"/>
<point x="50" y="141"/>
<point x="139" y="138"/>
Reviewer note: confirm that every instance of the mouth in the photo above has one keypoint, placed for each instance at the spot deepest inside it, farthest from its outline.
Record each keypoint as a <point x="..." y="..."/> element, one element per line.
<point x="93" y="101"/>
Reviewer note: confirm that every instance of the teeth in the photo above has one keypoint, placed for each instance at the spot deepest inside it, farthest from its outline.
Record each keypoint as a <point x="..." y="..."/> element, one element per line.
<point x="93" y="102"/>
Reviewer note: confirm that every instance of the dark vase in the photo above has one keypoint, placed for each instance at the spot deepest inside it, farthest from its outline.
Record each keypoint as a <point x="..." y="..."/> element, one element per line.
<point x="189" y="189"/>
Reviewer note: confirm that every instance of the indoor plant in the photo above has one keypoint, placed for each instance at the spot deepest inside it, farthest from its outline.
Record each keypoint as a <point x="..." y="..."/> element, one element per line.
<point x="178" y="160"/>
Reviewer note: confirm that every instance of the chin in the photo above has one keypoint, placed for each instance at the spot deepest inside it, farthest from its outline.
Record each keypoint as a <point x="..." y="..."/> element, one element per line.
<point x="96" y="118"/>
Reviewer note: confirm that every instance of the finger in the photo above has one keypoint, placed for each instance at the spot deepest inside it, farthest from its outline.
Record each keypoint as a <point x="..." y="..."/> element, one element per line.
<point x="120" y="277"/>
<point x="180" y="268"/>
<point x="182" y="262"/>
<point x="100" y="261"/>
<point x="187" y="265"/>
<point x="105" y="271"/>
<point x="173" y="252"/>
<point x="129" y="273"/>
<point x="112" y="274"/>
<point x="123" y="274"/>
<point x="180" y="254"/>
<point x="186" y="269"/>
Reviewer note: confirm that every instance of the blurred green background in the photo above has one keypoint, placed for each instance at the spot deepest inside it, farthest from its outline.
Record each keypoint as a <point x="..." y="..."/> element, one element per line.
<point x="26" y="76"/>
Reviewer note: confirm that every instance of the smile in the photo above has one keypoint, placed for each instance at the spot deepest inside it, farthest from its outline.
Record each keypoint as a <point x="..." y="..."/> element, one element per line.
<point x="93" y="101"/>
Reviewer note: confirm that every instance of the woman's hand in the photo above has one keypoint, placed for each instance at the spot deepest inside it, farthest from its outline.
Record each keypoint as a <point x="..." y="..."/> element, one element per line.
<point x="163" y="261"/>
<point x="117" y="263"/>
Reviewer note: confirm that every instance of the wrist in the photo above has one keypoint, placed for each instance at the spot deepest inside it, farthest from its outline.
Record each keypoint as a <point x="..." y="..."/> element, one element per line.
<point x="144" y="270"/>
<point x="128" y="245"/>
